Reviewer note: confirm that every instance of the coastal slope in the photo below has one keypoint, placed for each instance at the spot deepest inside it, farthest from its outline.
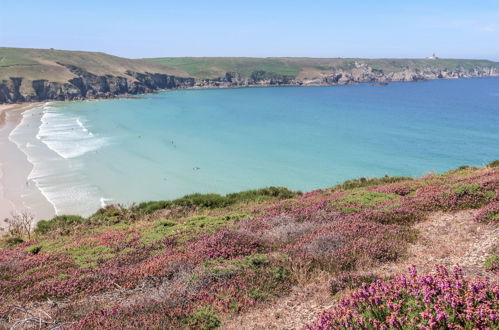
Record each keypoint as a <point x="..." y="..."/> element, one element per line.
<point x="28" y="75"/>
<point x="207" y="261"/>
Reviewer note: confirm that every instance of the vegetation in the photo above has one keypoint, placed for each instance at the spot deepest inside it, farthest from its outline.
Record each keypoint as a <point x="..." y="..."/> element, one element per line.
<point x="213" y="201"/>
<point x="32" y="64"/>
<point x="367" y="182"/>
<point x="194" y="261"/>
<point x="434" y="301"/>
<point x="214" y="67"/>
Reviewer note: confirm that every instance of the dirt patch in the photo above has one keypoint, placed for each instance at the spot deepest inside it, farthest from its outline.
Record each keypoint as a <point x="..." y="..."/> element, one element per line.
<point x="290" y="312"/>
<point x="449" y="239"/>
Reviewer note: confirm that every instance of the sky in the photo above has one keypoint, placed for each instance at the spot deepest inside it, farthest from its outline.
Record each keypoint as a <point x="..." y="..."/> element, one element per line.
<point x="313" y="28"/>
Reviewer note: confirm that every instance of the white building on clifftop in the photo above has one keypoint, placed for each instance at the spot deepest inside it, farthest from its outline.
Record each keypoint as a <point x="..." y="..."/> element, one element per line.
<point x="432" y="57"/>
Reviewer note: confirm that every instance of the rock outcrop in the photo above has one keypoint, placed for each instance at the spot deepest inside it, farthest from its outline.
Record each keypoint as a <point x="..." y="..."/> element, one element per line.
<point x="86" y="85"/>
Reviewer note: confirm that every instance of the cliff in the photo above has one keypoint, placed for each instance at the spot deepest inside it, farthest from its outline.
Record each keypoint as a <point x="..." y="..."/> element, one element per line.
<point x="38" y="75"/>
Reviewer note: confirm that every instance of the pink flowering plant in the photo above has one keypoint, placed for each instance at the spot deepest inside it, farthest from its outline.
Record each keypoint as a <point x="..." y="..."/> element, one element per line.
<point x="442" y="300"/>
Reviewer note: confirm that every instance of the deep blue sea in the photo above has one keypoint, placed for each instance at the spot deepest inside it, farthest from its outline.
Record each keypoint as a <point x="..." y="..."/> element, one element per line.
<point x="163" y="146"/>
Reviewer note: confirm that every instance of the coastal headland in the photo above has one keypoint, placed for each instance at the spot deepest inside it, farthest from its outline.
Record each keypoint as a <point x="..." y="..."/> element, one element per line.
<point x="34" y="75"/>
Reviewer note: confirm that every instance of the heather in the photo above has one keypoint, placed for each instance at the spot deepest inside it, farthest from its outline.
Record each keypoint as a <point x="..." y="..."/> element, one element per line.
<point x="191" y="262"/>
<point x="442" y="300"/>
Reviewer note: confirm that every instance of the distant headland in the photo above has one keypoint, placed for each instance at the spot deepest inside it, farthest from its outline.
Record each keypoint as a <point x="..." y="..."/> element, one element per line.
<point x="29" y="75"/>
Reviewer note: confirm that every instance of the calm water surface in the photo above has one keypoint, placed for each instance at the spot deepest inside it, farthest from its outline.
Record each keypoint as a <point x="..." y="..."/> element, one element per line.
<point x="88" y="154"/>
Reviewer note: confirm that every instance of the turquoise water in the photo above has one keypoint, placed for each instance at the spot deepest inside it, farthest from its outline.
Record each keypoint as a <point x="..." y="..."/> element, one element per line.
<point x="88" y="154"/>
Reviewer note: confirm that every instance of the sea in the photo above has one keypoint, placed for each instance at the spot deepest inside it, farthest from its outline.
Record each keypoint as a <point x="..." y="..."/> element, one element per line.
<point x="89" y="154"/>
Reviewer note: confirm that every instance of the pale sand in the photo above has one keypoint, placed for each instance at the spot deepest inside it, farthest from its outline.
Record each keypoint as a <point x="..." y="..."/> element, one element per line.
<point x="15" y="194"/>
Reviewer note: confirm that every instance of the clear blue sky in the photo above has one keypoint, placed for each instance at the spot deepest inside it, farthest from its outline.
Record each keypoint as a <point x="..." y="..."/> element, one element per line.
<point x="383" y="28"/>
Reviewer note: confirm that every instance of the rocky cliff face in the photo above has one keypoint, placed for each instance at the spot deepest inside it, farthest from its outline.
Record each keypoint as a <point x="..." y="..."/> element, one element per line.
<point x="89" y="86"/>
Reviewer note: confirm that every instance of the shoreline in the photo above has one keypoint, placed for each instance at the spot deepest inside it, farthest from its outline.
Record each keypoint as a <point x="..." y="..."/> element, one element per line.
<point x="229" y="86"/>
<point x="15" y="195"/>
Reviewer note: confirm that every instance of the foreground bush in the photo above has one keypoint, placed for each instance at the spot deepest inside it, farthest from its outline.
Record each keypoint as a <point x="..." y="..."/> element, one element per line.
<point x="59" y="223"/>
<point x="434" y="301"/>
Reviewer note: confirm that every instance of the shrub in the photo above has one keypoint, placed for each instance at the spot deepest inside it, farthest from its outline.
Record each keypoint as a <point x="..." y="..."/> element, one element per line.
<point x="58" y="223"/>
<point x="11" y="241"/>
<point x="489" y="213"/>
<point x="34" y="249"/>
<point x="150" y="207"/>
<point x="467" y="195"/>
<point x="366" y="182"/>
<point x="212" y="201"/>
<point x="494" y="163"/>
<point x="205" y="318"/>
<point x="492" y="263"/>
<point x="113" y="214"/>
<point x="262" y="194"/>
<point x="434" y="301"/>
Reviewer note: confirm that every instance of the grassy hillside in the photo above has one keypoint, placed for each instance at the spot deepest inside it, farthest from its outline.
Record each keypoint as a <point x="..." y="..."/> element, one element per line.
<point x="33" y="64"/>
<point x="199" y="260"/>
<point x="212" y="67"/>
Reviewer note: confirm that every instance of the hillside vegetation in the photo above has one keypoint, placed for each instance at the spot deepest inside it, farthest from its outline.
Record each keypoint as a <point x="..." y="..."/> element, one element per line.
<point x="197" y="261"/>
<point x="33" y="64"/>
<point x="213" y="67"/>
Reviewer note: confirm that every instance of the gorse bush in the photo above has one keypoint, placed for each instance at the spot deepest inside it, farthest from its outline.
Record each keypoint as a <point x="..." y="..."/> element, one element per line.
<point x="494" y="163"/>
<point x="58" y="223"/>
<point x="212" y="201"/>
<point x="205" y="319"/>
<point x="434" y="301"/>
<point x="366" y="182"/>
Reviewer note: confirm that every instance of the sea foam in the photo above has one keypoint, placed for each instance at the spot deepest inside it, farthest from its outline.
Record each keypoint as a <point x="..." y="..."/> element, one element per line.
<point x="57" y="172"/>
<point x="67" y="135"/>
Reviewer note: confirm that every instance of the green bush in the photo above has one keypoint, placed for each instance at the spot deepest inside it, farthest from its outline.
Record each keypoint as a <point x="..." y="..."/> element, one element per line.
<point x="467" y="189"/>
<point x="492" y="263"/>
<point x="61" y="222"/>
<point x="494" y="163"/>
<point x="366" y="182"/>
<point x="34" y="249"/>
<point x="205" y="318"/>
<point x="213" y="201"/>
<point x="11" y="241"/>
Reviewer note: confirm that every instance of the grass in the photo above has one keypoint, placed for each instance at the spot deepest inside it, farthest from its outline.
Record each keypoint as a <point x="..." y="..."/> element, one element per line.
<point x="214" y="67"/>
<point x="359" y="199"/>
<point x="13" y="57"/>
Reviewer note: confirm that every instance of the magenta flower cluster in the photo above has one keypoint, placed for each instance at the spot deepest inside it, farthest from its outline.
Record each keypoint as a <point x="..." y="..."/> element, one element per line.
<point x="443" y="300"/>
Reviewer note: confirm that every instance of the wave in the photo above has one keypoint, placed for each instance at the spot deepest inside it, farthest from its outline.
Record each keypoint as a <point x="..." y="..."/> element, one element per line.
<point x="103" y="201"/>
<point x="67" y="135"/>
<point x="60" y="179"/>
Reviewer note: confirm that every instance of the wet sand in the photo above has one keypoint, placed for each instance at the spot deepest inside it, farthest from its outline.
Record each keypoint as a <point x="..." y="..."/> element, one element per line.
<point x="16" y="193"/>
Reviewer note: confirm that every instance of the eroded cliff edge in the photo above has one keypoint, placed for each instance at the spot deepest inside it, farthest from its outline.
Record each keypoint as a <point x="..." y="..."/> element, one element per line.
<point x="86" y="85"/>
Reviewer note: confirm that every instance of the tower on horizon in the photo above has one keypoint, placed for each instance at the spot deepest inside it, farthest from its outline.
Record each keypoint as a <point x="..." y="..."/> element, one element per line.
<point x="432" y="57"/>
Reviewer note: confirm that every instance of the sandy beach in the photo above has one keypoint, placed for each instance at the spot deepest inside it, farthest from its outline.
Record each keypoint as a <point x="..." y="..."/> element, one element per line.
<point x="15" y="194"/>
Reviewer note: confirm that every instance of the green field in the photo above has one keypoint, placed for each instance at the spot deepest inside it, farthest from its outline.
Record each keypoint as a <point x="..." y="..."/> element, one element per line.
<point x="34" y="64"/>
<point x="13" y="57"/>
<point x="49" y="64"/>
<point x="213" y="67"/>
